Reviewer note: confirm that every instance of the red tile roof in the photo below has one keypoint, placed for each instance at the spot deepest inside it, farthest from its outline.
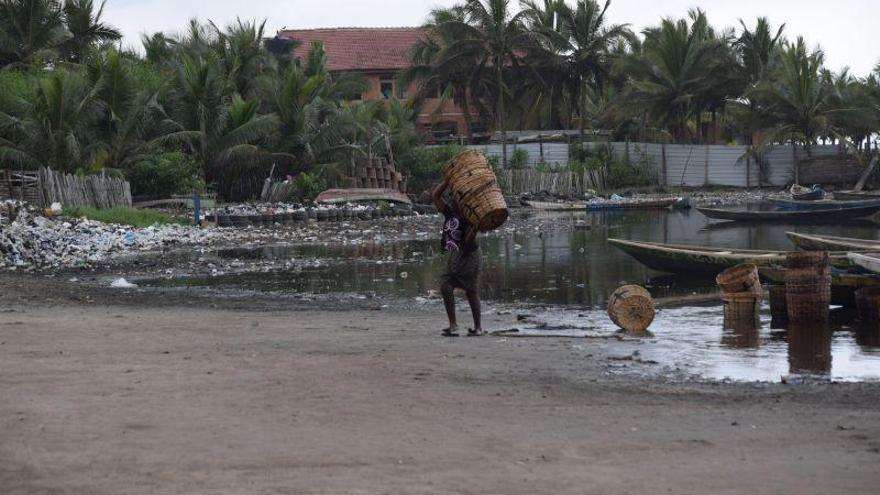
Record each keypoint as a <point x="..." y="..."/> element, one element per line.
<point x="359" y="49"/>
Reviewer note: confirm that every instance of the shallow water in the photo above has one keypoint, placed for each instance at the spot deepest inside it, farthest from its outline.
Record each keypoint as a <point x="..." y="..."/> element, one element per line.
<point x="564" y="261"/>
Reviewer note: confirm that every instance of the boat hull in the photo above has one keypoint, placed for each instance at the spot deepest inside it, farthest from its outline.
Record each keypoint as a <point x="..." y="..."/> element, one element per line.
<point x="825" y="204"/>
<point x="808" y="242"/>
<point x="797" y="216"/>
<point x="868" y="261"/>
<point x="633" y="205"/>
<point x="856" y="195"/>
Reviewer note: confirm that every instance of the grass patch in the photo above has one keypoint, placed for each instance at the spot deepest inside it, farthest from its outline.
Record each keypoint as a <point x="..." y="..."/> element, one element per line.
<point x="125" y="216"/>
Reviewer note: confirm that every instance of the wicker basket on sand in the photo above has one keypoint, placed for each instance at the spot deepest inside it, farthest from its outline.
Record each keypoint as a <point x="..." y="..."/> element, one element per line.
<point x="631" y="308"/>
<point x="475" y="190"/>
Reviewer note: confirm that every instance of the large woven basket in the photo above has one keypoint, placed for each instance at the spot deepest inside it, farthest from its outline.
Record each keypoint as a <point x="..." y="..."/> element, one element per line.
<point x="778" y="306"/>
<point x="739" y="278"/>
<point x="807" y="286"/>
<point x="475" y="190"/>
<point x="631" y="308"/>
<point x="741" y="309"/>
<point x="868" y="304"/>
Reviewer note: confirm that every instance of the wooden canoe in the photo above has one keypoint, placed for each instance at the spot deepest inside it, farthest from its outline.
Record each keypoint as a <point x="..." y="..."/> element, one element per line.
<point x="337" y="196"/>
<point x="709" y="261"/>
<point x="633" y="205"/>
<point x="868" y="261"/>
<point x="856" y="195"/>
<point x="824" y="204"/>
<point x="812" y="242"/>
<point x="554" y="206"/>
<point x="798" y="216"/>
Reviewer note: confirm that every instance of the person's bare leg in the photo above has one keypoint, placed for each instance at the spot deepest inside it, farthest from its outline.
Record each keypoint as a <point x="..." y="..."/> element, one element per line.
<point x="448" y="293"/>
<point x="474" y="300"/>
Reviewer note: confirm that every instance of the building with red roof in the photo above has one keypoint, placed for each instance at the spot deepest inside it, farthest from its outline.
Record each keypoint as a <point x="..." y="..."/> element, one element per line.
<point x="380" y="55"/>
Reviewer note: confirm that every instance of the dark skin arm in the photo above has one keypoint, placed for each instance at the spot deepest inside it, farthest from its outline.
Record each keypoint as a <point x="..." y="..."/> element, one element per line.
<point x="437" y="196"/>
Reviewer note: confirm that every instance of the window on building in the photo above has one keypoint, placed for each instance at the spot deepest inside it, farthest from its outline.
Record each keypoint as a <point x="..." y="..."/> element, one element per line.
<point x="386" y="88"/>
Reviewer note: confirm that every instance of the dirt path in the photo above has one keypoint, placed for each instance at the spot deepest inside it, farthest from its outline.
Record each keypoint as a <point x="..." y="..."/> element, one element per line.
<point x="106" y="397"/>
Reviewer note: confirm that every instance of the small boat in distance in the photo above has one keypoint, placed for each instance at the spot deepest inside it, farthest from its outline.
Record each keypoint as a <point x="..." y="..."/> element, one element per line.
<point x="836" y="213"/>
<point x="554" y="205"/>
<point x="800" y="193"/>
<point x="812" y="242"/>
<point x="645" y="204"/>
<point x="823" y="204"/>
<point x="856" y="195"/>
<point x="868" y="261"/>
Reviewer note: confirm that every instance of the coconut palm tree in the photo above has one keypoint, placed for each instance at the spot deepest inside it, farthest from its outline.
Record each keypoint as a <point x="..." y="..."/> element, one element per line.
<point x="53" y="127"/>
<point x="579" y="48"/>
<point x="85" y="28"/>
<point x="674" y="71"/>
<point x="759" y="51"/>
<point x="30" y="30"/>
<point x="495" y="38"/>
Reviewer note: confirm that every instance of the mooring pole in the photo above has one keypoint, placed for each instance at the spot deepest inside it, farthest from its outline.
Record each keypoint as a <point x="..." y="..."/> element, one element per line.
<point x="197" y="206"/>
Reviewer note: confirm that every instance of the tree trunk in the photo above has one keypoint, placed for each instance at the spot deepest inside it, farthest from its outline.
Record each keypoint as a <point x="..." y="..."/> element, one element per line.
<point x="714" y="127"/>
<point x="795" y="165"/>
<point x="500" y="114"/>
<point x="583" y="122"/>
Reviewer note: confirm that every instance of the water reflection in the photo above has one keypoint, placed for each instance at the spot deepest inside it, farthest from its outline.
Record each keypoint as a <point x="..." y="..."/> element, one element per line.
<point x="564" y="261"/>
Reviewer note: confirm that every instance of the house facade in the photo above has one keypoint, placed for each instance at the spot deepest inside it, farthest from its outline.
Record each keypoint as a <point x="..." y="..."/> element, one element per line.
<point x="380" y="55"/>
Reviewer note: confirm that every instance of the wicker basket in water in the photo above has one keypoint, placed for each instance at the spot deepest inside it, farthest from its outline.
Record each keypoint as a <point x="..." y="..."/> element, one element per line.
<point x="778" y="307"/>
<point x="475" y="190"/>
<point x="740" y="278"/>
<point x="807" y="286"/>
<point x="631" y="308"/>
<point x="740" y="308"/>
<point x="868" y="304"/>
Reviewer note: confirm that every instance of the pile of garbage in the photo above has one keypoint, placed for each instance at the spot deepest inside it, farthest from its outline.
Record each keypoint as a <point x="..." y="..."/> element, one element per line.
<point x="9" y="209"/>
<point x="36" y="242"/>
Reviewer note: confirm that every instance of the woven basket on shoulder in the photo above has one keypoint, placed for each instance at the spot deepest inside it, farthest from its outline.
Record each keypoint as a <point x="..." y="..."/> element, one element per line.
<point x="475" y="190"/>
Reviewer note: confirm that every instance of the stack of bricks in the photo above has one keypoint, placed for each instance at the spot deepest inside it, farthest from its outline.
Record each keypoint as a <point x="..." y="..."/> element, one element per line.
<point x="378" y="173"/>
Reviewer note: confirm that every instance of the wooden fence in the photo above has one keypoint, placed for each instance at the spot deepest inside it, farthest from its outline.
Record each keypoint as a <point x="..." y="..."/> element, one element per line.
<point x="515" y="182"/>
<point x="46" y="186"/>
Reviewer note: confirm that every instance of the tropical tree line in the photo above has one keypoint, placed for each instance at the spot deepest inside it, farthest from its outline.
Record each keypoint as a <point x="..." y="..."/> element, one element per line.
<point x="226" y="105"/>
<point x="558" y="64"/>
<point x="222" y="103"/>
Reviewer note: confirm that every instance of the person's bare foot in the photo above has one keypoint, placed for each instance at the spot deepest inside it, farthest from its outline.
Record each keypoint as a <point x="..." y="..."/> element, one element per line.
<point x="476" y="332"/>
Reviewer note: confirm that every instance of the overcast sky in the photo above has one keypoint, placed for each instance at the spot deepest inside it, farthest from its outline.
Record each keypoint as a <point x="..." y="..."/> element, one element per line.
<point x="848" y="30"/>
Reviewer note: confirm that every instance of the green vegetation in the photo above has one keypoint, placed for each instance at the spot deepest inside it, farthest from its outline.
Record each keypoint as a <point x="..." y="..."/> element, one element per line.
<point x="124" y="216"/>
<point x="215" y="107"/>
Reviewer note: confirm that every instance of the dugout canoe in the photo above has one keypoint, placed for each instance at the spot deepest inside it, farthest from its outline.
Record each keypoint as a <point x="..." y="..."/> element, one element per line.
<point x="856" y="195"/>
<point x="554" y="205"/>
<point x="341" y="196"/>
<point x="812" y="242"/>
<point x="654" y="204"/>
<point x="868" y="261"/>
<point x="709" y="261"/>
<point x="824" y="204"/>
<point x="836" y="214"/>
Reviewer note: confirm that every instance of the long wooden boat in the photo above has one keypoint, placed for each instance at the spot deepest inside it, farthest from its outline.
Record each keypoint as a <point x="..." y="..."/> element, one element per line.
<point x="812" y="242"/>
<point x="856" y="195"/>
<point x="648" y="204"/>
<point x="824" y="204"/>
<point x="868" y="261"/>
<point x="553" y="205"/>
<point x="800" y="216"/>
<point x="332" y="196"/>
<point x="687" y="259"/>
<point x="709" y="261"/>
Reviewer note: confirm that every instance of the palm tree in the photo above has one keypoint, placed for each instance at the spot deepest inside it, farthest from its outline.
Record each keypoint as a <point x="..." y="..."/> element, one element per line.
<point x="85" y="28"/>
<point x="493" y="37"/>
<point x="52" y="128"/>
<point x="30" y="30"/>
<point x="222" y="130"/>
<point x="580" y="48"/>
<point x="241" y="52"/>
<point x="759" y="52"/>
<point x="799" y="98"/>
<point x="673" y="72"/>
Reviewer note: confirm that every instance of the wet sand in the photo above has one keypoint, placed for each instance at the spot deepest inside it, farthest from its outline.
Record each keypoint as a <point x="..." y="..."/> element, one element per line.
<point x="118" y="392"/>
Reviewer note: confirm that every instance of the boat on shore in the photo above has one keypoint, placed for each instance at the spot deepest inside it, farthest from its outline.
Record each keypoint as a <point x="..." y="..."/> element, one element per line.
<point x="812" y="242"/>
<point x="856" y="195"/>
<point x="646" y="204"/>
<point x="704" y="260"/>
<point x="836" y="214"/>
<point x="822" y="204"/>
<point x="868" y="261"/>
<point x="554" y="205"/>
<point x="709" y="261"/>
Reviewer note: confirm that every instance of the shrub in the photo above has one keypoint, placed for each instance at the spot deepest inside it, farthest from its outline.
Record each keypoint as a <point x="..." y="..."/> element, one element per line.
<point x="423" y="164"/>
<point x="164" y="173"/>
<point x="309" y="186"/>
<point x="123" y="216"/>
<point x="519" y="158"/>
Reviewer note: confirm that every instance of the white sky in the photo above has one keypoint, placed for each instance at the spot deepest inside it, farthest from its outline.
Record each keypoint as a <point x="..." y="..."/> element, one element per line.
<point x="847" y="30"/>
